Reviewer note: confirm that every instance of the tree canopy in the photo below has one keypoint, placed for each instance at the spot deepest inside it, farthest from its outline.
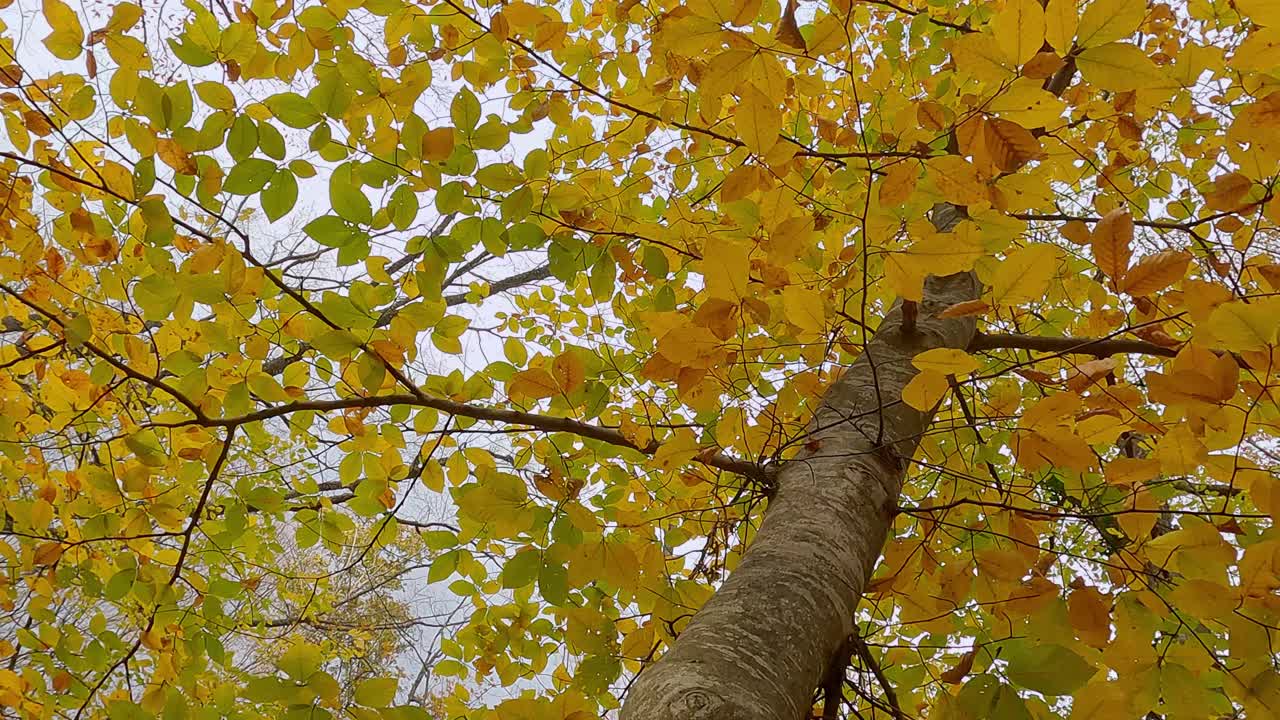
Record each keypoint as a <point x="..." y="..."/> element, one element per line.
<point x="869" y="358"/>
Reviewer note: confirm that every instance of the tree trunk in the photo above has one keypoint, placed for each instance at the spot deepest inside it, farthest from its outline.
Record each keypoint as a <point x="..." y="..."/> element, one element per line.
<point x="762" y="644"/>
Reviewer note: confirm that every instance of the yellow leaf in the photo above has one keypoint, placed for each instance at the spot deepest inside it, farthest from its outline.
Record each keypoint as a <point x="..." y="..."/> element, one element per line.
<point x="979" y="56"/>
<point x="1060" y="21"/>
<point x="1242" y="327"/>
<point x="1019" y="29"/>
<point x="904" y="276"/>
<point x="123" y="17"/>
<point x="1105" y="21"/>
<point x="1024" y="275"/>
<point x="1111" y="241"/>
<point x="925" y="390"/>
<point x="175" y="157"/>
<point x="569" y="371"/>
<point x="805" y="308"/>
<point x="1131" y="471"/>
<point x="1180" y="451"/>
<point x="1062" y="448"/>
<point x="957" y="180"/>
<point x="758" y="119"/>
<point x="898" y="184"/>
<point x="744" y="11"/>
<point x="727" y="271"/>
<point x="1027" y="103"/>
<point x="535" y="384"/>
<point x="946" y="361"/>
<point x="1263" y="12"/>
<point x="47" y="553"/>
<point x="966" y="309"/>
<point x="637" y="643"/>
<point x="1121" y="67"/>
<point x="1154" y="273"/>
<point x="677" y="451"/>
<point x="829" y="35"/>
<point x="67" y="39"/>
<point x="941" y="254"/>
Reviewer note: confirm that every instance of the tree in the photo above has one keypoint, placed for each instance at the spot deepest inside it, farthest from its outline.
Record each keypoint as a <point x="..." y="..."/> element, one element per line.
<point x="843" y="359"/>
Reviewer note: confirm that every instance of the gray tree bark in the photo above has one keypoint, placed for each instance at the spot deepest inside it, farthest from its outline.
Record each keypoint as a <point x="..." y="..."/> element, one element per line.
<point x="763" y="643"/>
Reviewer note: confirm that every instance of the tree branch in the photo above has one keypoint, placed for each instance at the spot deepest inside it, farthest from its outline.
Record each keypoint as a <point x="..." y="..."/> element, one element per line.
<point x="1098" y="347"/>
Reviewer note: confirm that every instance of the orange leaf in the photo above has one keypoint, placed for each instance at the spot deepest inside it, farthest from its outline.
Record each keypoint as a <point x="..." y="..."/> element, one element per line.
<point x="1042" y="66"/>
<point x="437" y="144"/>
<point x="1154" y="273"/>
<point x="1111" y="239"/>
<point x="535" y="384"/>
<point x="175" y="157"/>
<point x="898" y="184"/>
<point x="1011" y="146"/>
<point x="931" y="115"/>
<point x="1228" y="190"/>
<point x="47" y="553"/>
<point x="1077" y="232"/>
<point x="965" y="309"/>
<point x="569" y="371"/>
<point x="1090" y="615"/>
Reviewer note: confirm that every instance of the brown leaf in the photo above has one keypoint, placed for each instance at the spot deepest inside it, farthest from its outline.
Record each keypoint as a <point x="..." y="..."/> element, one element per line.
<point x="1011" y="146"/>
<point x="1090" y="614"/>
<point x="788" y="30"/>
<point x="740" y="183"/>
<point x="1228" y="191"/>
<point x="931" y="115"/>
<point x="1042" y="66"/>
<point x="961" y="669"/>
<point x="10" y="76"/>
<point x="175" y="156"/>
<point x="1154" y="273"/>
<point x="1154" y="334"/>
<point x="1038" y="377"/>
<point x="1111" y="243"/>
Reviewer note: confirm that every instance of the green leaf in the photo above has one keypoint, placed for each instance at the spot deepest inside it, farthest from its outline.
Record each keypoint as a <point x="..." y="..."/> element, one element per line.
<point x="444" y="566"/>
<point x="270" y="141"/>
<point x="249" y="176"/>
<point x="293" y="110"/>
<point x="347" y="197"/>
<point x="376" y="692"/>
<point x="330" y="231"/>
<point x="553" y="584"/>
<point x="522" y="569"/>
<point x="984" y="696"/>
<point x="1047" y="669"/>
<point x="280" y="195"/>
<point x="242" y="140"/>
<point x="465" y="110"/>
<point x="301" y="661"/>
<point x="403" y="207"/>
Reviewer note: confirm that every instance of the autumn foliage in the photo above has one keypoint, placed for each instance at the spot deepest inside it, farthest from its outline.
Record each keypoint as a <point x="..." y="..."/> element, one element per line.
<point x="316" y="318"/>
